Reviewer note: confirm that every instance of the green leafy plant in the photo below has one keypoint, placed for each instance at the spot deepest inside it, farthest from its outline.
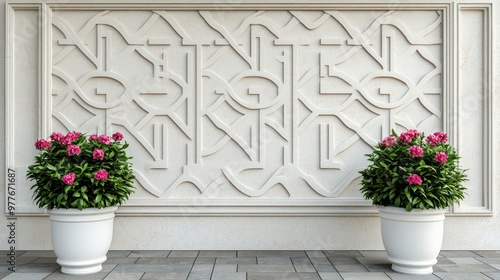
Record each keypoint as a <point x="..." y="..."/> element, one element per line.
<point x="414" y="171"/>
<point x="73" y="171"/>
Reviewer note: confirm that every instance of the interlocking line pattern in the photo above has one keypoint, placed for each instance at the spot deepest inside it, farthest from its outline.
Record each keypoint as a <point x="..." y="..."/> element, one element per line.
<point x="246" y="104"/>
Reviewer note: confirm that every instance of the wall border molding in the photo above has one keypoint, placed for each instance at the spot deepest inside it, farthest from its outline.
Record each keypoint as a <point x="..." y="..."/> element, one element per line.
<point x="260" y="207"/>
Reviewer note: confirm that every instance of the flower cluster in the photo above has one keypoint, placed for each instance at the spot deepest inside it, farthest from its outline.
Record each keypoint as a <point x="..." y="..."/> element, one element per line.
<point x="73" y="171"/>
<point x="414" y="171"/>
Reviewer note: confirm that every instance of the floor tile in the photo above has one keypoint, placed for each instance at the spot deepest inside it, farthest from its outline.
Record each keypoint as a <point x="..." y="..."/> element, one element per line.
<point x="373" y="260"/>
<point x="266" y="260"/>
<point x="330" y="276"/>
<point x="466" y="261"/>
<point x="192" y="254"/>
<point x="118" y="253"/>
<point x="169" y="260"/>
<point x="178" y="268"/>
<point x="118" y="260"/>
<point x="37" y="268"/>
<point x="335" y="261"/>
<point x="50" y="260"/>
<point x="272" y="254"/>
<point x="379" y="267"/>
<point x="205" y="268"/>
<point x="350" y="268"/>
<point x="124" y="276"/>
<point x="493" y="275"/>
<point x="230" y="254"/>
<point x="265" y="268"/>
<point x="343" y="254"/>
<point x="320" y="260"/>
<point x="461" y="276"/>
<point x="20" y="260"/>
<point x="315" y="254"/>
<point x="443" y="260"/>
<point x="304" y="267"/>
<point x="223" y="268"/>
<point x="149" y="253"/>
<point x="488" y="254"/>
<point x="489" y="260"/>
<point x="464" y="268"/>
<point x="39" y="253"/>
<point x="364" y="276"/>
<point x="303" y="264"/>
<point x="458" y="254"/>
<point x="282" y="276"/>
<point x="58" y="275"/>
<point x="301" y="260"/>
<point x="26" y="276"/>
<point x="229" y="275"/>
<point x="376" y="264"/>
<point x="205" y="260"/>
<point x="324" y="268"/>
<point x="224" y="260"/>
<point x="199" y="276"/>
<point x="373" y="254"/>
<point x="4" y="274"/>
<point x="164" y="276"/>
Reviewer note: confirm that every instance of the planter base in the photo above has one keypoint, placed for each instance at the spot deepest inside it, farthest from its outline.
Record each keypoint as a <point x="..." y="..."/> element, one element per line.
<point x="75" y="268"/>
<point x="412" y="268"/>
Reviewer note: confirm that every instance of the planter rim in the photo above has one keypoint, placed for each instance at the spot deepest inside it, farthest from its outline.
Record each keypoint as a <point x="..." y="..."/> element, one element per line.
<point x="76" y="210"/>
<point x="417" y="215"/>
<point x="74" y="215"/>
<point x="402" y="210"/>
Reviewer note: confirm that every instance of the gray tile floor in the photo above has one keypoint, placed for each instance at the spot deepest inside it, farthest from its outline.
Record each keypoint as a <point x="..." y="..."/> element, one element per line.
<point x="255" y="265"/>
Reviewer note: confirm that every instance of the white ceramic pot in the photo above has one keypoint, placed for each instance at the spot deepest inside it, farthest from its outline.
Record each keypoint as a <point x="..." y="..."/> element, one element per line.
<point x="413" y="239"/>
<point x="81" y="239"/>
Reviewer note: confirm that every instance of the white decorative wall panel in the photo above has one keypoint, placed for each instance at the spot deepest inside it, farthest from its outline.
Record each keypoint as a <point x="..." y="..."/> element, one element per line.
<point x="240" y="110"/>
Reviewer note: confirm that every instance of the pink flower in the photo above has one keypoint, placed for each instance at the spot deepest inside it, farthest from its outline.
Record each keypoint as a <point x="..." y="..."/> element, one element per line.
<point x="98" y="154"/>
<point x="436" y="138"/>
<point x="73" y="150"/>
<point x="441" y="157"/>
<point x="432" y="140"/>
<point x="69" y="178"/>
<point x="66" y="140"/>
<point x="117" y="136"/>
<point x="101" y="175"/>
<point x="93" y="137"/>
<point x="409" y="135"/>
<point x="415" y="151"/>
<point x="42" y="144"/>
<point x="104" y="139"/>
<point x="389" y="141"/>
<point x="56" y="136"/>
<point x="414" y="180"/>
<point x="441" y="137"/>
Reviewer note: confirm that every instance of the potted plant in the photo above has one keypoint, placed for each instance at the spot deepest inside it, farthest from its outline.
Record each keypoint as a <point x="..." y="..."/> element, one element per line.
<point x="80" y="180"/>
<point x="412" y="179"/>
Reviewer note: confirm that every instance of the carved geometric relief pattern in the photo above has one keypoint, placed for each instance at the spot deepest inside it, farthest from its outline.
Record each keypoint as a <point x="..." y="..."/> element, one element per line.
<point x="246" y="104"/>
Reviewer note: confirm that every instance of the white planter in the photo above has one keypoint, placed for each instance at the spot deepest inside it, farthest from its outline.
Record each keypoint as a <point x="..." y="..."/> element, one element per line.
<point x="413" y="239"/>
<point x="81" y="239"/>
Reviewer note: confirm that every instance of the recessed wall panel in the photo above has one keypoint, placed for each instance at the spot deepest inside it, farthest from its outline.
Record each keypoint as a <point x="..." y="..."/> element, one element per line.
<point x="474" y="106"/>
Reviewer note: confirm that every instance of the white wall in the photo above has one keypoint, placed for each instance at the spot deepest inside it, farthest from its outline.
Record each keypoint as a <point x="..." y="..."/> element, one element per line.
<point x="248" y="121"/>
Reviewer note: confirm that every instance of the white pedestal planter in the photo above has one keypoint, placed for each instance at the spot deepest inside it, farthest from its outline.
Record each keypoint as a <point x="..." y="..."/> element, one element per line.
<point x="81" y="239"/>
<point x="412" y="239"/>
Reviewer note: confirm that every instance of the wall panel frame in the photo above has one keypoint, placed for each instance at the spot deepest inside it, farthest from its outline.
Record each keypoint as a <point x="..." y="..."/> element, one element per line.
<point x="360" y="112"/>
